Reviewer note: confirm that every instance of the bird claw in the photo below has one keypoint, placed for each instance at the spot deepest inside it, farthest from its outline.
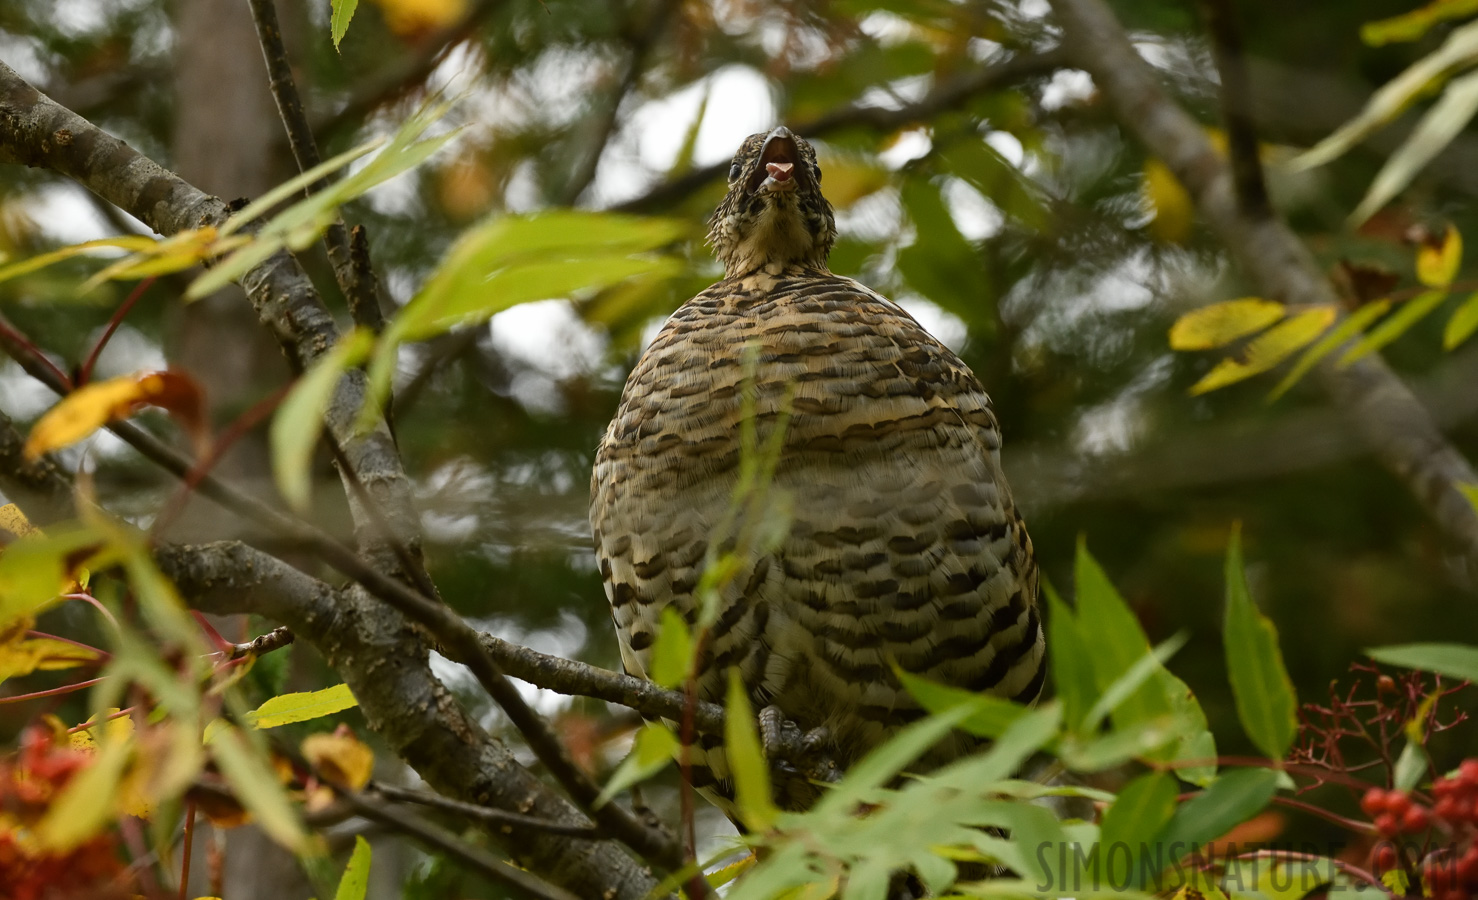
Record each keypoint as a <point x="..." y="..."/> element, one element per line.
<point x="792" y="750"/>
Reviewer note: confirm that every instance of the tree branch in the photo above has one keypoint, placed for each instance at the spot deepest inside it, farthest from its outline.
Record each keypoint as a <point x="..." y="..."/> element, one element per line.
<point x="385" y="662"/>
<point x="945" y="96"/>
<point x="1236" y="107"/>
<point x="1388" y="416"/>
<point x="38" y="132"/>
<point x="506" y="821"/>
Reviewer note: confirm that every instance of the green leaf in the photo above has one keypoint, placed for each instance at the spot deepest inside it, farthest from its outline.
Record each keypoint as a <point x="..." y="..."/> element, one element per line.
<point x="1118" y="644"/>
<point x="1413" y="25"/>
<point x="254" y="785"/>
<point x="1463" y="323"/>
<point x="1451" y="660"/>
<point x="300" y="707"/>
<point x="1232" y="799"/>
<point x="885" y="761"/>
<point x="1459" y="50"/>
<point x="751" y="771"/>
<point x="1336" y="336"/>
<point x="655" y="746"/>
<point x="1072" y="665"/>
<point x="1136" y="817"/>
<point x="1137" y="741"/>
<point x="1441" y="123"/>
<point x="1411" y="312"/>
<point x="511" y="259"/>
<point x="87" y="802"/>
<point x="296" y="426"/>
<point x="355" y="882"/>
<point x="34" y="569"/>
<point x="1266" y="702"/>
<point x="989" y="716"/>
<point x="1411" y="766"/>
<point x="300" y="224"/>
<point x="1141" y="672"/>
<point x="295" y="185"/>
<point x="672" y="654"/>
<point x="339" y="25"/>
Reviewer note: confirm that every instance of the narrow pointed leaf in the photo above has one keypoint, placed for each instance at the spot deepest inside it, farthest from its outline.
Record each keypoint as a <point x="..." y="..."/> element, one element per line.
<point x="1354" y="324"/>
<point x="1266" y="702"/>
<point x="1451" y="660"/>
<point x="1411" y="312"/>
<point x="747" y="761"/>
<point x="1268" y="349"/>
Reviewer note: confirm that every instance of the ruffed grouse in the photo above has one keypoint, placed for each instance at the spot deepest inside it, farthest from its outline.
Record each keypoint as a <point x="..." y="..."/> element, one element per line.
<point x="904" y="544"/>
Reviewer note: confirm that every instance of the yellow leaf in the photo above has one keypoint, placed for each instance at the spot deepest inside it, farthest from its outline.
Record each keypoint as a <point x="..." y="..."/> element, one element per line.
<point x="1268" y="349"/>
<point x="1171" y="205"/>
<point x="92" y="406"/>
<point x="1437" y="265"/>
<point x="1459" y="328"/>
<point x="25" y="266"/>
<point x="22" y="657"/>
<point x="285" y="709"/>
<point x="413" y="18"/>
<point x="341" y="757"/>
<point x="1328" y="343"/>
<point x="1221" y="323"/>
<point x="115" y="730"/>
<point x="15" y="521"/>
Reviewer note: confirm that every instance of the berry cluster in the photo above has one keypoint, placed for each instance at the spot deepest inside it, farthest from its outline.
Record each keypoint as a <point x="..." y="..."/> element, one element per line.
<point x="1457" y="797"/>
<point x="1394" y="813"/>
<point x="29" y="782"/>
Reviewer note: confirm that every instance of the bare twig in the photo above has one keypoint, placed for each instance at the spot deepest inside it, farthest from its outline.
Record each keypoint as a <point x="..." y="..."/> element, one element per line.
<point x="501" y="818"/>
<point x="409" y="74"/>
<point x="305" y="148"/>
<point x="945" y="96"/>
<point x="639" y="46"/>
<point x="438" y="839"/>
<point x="1236" y="107"/>
<point x="263" y="644"/>
<point x="1389" y="417"/>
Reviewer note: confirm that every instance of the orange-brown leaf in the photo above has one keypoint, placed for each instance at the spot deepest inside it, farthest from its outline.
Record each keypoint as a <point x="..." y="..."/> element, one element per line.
<point x="341" y="757"/>
<point x="92" y="406"/>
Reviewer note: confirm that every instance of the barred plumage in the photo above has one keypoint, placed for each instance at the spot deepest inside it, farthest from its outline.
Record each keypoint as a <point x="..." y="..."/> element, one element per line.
<point x="904" y="544"/>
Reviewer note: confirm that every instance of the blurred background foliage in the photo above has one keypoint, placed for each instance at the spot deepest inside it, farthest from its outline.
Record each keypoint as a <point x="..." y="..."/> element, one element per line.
<point x="1019" y="224"/>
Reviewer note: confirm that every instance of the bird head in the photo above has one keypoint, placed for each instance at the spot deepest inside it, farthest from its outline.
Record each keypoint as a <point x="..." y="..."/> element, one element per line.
<point x="774" y="213"/>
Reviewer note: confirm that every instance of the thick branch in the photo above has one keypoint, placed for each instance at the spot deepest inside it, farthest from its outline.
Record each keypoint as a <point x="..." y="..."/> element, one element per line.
<point x="37" y="132"/>
<point x="1389" y="418"/>
<point x="1236" y="107"/>
<point x="946" y="96"/>
<point x="37" y="486"/>
<point x="385" y="663"/>
<point x="30" y="125"/>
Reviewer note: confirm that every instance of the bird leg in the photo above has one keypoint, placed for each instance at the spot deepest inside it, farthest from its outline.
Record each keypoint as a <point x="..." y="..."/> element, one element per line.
<point x="805" y="753"/>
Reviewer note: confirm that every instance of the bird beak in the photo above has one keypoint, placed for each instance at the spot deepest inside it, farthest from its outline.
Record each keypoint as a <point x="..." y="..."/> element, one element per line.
<point x="778" y="159"/>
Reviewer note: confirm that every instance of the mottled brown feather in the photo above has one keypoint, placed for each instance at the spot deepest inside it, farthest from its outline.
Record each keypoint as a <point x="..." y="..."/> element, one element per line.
<point x="904" y="546"/>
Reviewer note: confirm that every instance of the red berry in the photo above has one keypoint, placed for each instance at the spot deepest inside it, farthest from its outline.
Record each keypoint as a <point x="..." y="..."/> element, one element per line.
<point x="1387" y="824"/>
<point x="1468" y="771"/>
<point x="1374" y="802"/>
<point x="1437" y="876"/>
<point x="1398" y="803"/>
<point x="1446" y="809"/>
<point x="1384" y="858"/>
<point x="1414" y="819"/>
<point x="1467" y="867"/>
<point x="1462" y="810"/>
<point x="1443" y="787"/>
<point x="1385" y="684"/>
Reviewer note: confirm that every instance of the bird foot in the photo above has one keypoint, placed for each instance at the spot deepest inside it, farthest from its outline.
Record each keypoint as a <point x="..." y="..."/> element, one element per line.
<point x="805" y="753"/>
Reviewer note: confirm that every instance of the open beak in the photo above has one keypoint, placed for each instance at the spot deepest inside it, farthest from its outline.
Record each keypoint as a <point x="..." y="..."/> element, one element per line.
<point x="778" y="160"/>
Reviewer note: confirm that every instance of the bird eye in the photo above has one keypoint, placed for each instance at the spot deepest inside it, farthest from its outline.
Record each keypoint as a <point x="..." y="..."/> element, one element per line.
<point x="734" y="172"/>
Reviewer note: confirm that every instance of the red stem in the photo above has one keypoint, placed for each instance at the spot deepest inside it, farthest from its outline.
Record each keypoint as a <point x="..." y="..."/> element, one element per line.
<point x="84" y="374"/>
<point x="103" y="655"/>
<point x="31" y="350"/>
<point x="232" y="433"/>
<point x="64" y="689"/>
<point x="1354" y="825"/>
<point x="189" y="842"/>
